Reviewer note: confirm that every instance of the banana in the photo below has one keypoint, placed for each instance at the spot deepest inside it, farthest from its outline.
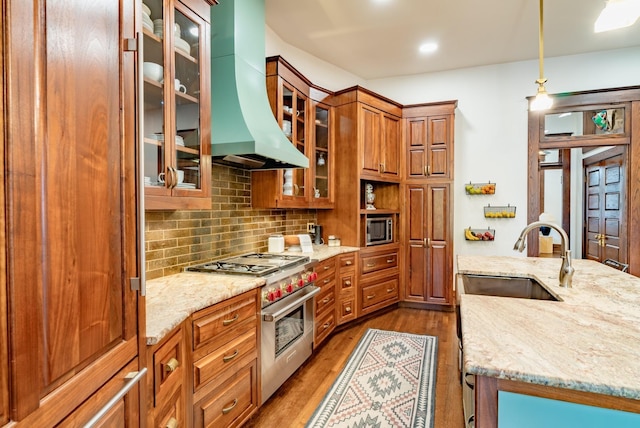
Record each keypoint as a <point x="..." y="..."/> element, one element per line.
<point x="469" y="236"/>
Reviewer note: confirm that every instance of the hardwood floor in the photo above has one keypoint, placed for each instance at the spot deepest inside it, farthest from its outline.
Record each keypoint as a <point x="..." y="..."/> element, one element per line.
<point x="297" y="399"/>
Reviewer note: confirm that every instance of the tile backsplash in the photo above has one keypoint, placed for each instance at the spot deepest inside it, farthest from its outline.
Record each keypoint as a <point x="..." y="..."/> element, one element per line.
<point x="175" y="239"/>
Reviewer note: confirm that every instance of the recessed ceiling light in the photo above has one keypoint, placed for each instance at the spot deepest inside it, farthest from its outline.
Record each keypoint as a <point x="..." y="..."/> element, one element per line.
<point x="428" y="47"/>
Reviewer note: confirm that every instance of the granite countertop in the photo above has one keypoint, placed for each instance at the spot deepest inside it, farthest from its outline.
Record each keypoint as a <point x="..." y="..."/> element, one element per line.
<point x="172" y="299"/>
<point x="590" y="341"/>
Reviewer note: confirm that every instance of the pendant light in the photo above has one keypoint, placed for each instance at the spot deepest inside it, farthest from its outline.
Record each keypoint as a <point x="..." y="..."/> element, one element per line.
<point x="542" y="101"/>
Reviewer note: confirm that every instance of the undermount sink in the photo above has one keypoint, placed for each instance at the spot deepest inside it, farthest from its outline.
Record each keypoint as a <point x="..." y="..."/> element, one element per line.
<point x="506" y="286"/>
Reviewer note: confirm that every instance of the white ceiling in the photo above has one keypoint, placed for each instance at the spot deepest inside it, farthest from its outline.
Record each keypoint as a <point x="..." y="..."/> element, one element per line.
<point x="380" y="38"/>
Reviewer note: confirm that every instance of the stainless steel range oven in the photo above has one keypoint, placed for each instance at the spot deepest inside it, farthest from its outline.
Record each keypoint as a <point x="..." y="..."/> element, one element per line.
<point x="287" y="310"/>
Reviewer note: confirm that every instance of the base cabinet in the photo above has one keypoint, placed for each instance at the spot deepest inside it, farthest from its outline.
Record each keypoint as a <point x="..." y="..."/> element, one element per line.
<point x="379" y="279"/>
<point x="225" y="361"/>
<point x="346" y="286"/>
<point x="167" y="380"/>
<point x="325" y="301"/>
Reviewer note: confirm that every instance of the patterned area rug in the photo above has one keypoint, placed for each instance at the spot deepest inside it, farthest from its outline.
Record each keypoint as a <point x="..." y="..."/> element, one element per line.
<point x="389" y="381"/>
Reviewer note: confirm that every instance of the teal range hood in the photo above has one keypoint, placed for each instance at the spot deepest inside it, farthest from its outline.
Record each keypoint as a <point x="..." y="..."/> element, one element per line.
<point x="244" y="132"/>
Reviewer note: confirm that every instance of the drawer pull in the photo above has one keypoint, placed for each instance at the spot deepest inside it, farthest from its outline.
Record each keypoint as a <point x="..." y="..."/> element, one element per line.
<point x="326" y="281"/>
<point x="371" y="264"/>
<point x="326" y="326"/>
<point x="390" y="290"/>
<point x="371" y="296"/>
<point x="327" y="267"/>
<point x="171" y="365"/>
<point x="326" y="300"/>
<point x="172" y="423"/>
<point x="228" y="358"/>
<point x="391" y="260"/>
<point x="226" y="410"/>
<point x="227" y="322"/>
<point x="348" y="263"/>
<point x="348" y="309"/>
<point x="347" y="283"/>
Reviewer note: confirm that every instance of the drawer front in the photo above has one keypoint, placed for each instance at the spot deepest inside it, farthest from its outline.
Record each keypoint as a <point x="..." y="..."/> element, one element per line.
<point x="325" y="300"/>
<point x="380" y="293"/>
<point x="222" y="319"/>
<point x="347" y="261"/>
<point x="232" y="403"/>
<point x="325" y="268"/>
<point x="379" y="262"/>
<point x="224" y="358"/>
<point x="327" y="281"/>
<point x="168" y="367"/>
<point x="324" y="325"/>
<point x="347" y="282"/>
<point x="171" y="413"/>
<point x="346" y="310"/>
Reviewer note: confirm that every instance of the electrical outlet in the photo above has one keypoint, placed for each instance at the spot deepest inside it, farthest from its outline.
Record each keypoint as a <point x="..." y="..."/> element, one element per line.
<point x="311" y="228"/>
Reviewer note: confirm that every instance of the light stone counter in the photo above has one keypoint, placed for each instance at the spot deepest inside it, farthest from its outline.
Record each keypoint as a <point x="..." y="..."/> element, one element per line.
<point x="590" y="341"/>
<point x="172" y="299"/>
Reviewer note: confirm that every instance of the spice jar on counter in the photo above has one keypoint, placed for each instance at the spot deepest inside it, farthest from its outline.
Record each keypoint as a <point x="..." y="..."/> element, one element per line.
<point x="333" y="241"/>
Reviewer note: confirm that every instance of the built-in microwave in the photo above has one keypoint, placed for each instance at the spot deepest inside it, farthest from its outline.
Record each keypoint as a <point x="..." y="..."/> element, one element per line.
<point x="379" y="230"/>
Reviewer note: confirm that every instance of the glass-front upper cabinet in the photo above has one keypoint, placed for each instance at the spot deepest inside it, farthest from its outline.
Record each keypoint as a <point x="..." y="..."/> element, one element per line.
<point x="176" y="123"/>
<point x="322" y="157"/>
<point x="294" y="112"/>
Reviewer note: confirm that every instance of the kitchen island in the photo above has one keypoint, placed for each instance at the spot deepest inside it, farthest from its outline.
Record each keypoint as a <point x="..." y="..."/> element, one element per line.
<point x="584" y="349"/>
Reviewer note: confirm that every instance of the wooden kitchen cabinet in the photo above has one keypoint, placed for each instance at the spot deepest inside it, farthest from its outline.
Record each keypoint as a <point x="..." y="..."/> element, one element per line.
<point x="325" y="301"/>
<point x="367" y="135"/>
<point x="380" y="139"/>
<point x="71" y="321"/>
<point x="305" y="117"/>
<point x="429" y="141"/>
<point x="168" y="369"/>
<point x="225" y="362"/>
<point x="346" y="285"/>
<point x="428" y="246"/>
<point x="176" y="108"/>
<point x="378" y="282"/>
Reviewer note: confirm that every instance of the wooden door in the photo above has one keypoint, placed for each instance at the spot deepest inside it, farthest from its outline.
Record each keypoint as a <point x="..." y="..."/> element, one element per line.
<point x="71" y="203"/>
<point x="416" y="138"/>
<point x="429" y="256"/>
<point x="438" y="146"/>
<point x="416" y="235"/>
<point x="605" y="207"/>
<point x="371" y="138"/>
<point x="390" y="146"/>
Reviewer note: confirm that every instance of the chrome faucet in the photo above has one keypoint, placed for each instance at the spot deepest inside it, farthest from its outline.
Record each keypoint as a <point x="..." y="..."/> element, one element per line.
<point x="566" y="270"/>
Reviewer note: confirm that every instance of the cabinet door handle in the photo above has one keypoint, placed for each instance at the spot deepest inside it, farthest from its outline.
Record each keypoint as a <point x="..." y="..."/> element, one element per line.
<point x="172" y="423"/>
<point x="371" y="264"/>
<point x="296" y="189"/>
<point x="348" y="263"/>
<point x="327" y="267"/>
<point x="371" y="296"/>
<point x="348" y="309"/>
<point x="326" y="326"/>
<point x="347" y="283"/>
<point x="427" y="170"/>
<point x="390" y="290"/>
<point x="171" y="365"/>
<point x="230" y="321"/>
<point x="391" y="260"/>
<point x="383" y="169"/>
<point x="226" y="410"/>
<point x="427" y="242"/>
<point x="228" y="358"/>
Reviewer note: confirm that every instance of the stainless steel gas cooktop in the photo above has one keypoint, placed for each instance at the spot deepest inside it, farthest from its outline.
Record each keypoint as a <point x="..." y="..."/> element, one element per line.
<point x="256" y="264"/>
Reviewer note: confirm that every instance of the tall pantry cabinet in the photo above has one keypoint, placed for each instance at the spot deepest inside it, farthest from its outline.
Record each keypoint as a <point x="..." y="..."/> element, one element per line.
<point x="71" y="329"/>
<point x="428" y="203"/>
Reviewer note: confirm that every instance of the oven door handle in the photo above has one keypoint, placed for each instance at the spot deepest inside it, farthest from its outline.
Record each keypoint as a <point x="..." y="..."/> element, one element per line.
<point x="309" y="292"/>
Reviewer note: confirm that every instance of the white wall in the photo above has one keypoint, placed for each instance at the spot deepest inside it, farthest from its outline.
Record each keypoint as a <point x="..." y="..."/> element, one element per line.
<point x="491" y="122"/>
